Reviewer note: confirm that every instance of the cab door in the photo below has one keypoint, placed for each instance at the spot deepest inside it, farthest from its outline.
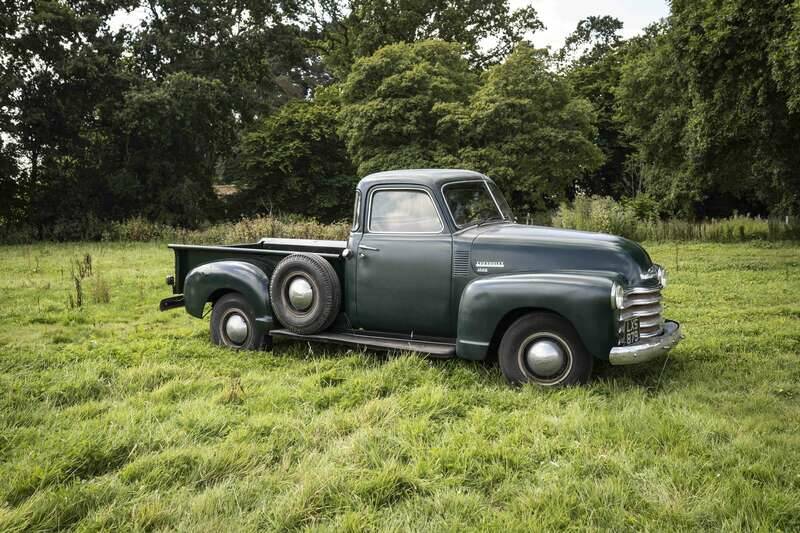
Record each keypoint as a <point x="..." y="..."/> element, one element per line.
<point x="403" y="272"/>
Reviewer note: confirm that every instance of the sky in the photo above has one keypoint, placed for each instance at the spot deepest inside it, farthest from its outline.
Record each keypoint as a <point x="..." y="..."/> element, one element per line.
<point x="561" y="16"/>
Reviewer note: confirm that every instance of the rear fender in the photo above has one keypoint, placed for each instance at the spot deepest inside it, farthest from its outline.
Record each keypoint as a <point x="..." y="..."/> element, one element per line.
<point x="583" y="300"/>
<point x="204" y="283"/>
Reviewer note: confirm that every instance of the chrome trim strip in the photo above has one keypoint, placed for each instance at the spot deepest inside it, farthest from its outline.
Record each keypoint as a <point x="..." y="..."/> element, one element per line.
<point x="642" y="301"/>
<point x="649" y="349"/>
<point x="650" y="310"/>
<point x="474" y="343"/>
<point x="643" y="290"/>
<point x="651" y="323"/>
<point x="252" y="251"/>
<point x="357" y="213"/>
<point x="652" y="272"/>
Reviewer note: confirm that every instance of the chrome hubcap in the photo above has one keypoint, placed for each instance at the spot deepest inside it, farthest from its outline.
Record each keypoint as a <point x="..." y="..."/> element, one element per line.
<point x="236" y="328"/>
<point x="300" y="294"/>
<point x="545" y="358"/>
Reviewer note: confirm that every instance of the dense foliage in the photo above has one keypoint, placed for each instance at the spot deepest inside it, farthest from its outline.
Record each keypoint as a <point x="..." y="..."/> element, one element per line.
<point x="526" y="129"/>
<point x="393" y="101"/>
<point x="296" y="158"/>
<point x="707" y="103"/>
<point x="289" y="102"/>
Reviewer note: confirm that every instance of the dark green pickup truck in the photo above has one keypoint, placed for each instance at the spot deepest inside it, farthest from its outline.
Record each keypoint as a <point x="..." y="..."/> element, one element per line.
<point x="435" y="264"/>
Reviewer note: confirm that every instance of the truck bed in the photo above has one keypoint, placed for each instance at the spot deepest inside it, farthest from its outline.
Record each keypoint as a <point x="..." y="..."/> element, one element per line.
<point x="266" y="253"/>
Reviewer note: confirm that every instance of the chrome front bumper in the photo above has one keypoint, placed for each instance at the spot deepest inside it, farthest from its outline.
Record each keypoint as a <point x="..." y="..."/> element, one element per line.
<point x="649" y="348"/>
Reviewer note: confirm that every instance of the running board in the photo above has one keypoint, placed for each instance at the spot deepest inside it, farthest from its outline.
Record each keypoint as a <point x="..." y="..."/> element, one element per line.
<point x="436" y="349"/>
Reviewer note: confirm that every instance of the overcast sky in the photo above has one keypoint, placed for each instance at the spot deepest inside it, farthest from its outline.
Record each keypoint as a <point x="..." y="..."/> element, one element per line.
<point x="561" y="16"/>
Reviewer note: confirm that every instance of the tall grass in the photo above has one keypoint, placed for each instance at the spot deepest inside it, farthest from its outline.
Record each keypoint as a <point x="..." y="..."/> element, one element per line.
<point x="637" y="220"/>
<point x="118" y="417"/>
<point x="139" y="229"/>
<point x="243" y="230"/>
<point x="630" y="220"/>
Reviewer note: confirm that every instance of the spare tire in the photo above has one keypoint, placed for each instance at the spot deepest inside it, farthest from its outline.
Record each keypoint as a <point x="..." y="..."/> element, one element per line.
<point x="305" y="293"/>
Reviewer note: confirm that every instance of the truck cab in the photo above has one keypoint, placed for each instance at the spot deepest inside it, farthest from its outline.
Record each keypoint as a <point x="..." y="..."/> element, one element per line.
<point x="436" y="263"/>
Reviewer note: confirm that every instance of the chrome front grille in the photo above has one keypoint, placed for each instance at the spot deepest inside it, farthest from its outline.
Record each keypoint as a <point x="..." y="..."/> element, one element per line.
<point x="644" y="303"/>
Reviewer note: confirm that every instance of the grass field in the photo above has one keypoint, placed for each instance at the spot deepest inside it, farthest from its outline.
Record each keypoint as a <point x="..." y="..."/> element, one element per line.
<point x="113" y="415"/>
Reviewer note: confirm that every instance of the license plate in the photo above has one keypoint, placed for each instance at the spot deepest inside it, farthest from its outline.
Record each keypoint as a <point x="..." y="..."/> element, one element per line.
<point x="629" y="332"/>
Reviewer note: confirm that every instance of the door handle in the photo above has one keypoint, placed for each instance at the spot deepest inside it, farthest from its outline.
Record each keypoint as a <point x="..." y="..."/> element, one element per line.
<point x="370" y="248"/>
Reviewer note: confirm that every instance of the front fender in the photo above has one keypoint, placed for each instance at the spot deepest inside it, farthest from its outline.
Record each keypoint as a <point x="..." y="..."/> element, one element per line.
<point x="226" y="276"/>
<point x="582" y="299"/>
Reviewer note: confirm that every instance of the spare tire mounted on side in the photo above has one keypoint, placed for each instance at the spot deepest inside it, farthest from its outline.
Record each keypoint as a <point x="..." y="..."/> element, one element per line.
<point x="305" y="293"/>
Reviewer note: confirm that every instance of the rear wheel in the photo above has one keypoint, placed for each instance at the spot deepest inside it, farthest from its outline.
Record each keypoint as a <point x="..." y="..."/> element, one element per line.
<point x="544" y="349"/>
<point x="233" y="324"/>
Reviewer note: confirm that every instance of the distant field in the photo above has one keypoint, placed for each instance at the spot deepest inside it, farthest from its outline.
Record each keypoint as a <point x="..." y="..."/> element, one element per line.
<point x="114" y="415"/>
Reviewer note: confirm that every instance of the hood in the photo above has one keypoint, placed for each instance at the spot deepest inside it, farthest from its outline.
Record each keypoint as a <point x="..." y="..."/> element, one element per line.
<point x="506" y="248"/>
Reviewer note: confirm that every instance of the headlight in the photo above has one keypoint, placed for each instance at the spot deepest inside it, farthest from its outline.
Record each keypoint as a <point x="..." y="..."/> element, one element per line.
<point x="662" y="277"/>
<point x="617" y="296"/>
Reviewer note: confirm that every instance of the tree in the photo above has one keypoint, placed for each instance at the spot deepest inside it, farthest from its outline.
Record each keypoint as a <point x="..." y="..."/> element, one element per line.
<point x="61" y="74"/>
<point x="170" y="137"/>
<point x="295" y="161"/>
<point x="255" y="48"/>
<point x="593" y="56"/>
<point x="784" y="53"/>
<point x="592" y="38"/>
<point x="705" y="101"/>
<point x="350" y="29"/>
<point x="393" y="100"/>
<point x="743" y="135"/>
<point x="9" y="187"/>
<point x="652" y="102"/>
<point x="526" y="129"/>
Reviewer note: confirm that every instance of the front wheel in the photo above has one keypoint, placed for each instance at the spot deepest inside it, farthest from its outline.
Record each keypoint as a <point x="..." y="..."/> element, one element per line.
<point x="544" y="349"/>
<point x="233" y="324"/>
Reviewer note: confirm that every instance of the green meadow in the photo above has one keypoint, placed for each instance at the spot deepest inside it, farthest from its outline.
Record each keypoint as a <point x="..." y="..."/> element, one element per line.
<point x="116" y="416"/>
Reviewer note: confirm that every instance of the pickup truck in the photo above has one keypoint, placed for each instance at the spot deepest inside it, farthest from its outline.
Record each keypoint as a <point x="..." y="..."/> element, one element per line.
<point x="436" y="264"/>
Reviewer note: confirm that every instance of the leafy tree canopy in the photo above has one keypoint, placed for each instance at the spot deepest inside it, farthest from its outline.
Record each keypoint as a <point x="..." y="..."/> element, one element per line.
<point x="295" y="161"/>
<point x="393" y="100"/>
<point x="486" y="29"/>
<point x="592" y="58"/>
<point x="705" y="104"/>
<point x="527" y="129"/>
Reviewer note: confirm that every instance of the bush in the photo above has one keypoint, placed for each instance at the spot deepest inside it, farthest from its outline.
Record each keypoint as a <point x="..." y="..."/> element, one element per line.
<point x="244" y="230"/>
<point x="638" y="219"/>
<point x="635" y="219"/>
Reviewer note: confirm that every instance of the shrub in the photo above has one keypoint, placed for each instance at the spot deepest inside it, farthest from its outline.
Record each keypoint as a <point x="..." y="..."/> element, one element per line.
<point x="244" y="230"/>
<point x="638" y="219"/>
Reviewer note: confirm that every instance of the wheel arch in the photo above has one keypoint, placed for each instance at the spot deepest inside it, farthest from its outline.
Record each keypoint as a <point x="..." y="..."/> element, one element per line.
<point x="509" y="318"/>
<point x="490" y="304"/>
<point x="219" y="293"/>
<point x="211" y="281"/>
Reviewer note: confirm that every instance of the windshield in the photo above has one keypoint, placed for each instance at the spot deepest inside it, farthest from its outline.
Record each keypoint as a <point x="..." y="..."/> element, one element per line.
<point x="471" y="203"/>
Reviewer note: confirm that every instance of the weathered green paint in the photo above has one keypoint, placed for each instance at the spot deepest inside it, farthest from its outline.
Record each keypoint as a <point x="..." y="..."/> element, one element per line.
<point x="404" y="286"/>
<point x="455" y="284"/>
<point x="211" y="280"/>
<point x="540" y="249"/>
<point x="581" y="298"/>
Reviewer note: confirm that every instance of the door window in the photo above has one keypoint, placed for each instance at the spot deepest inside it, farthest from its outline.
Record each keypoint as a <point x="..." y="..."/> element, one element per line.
<point x="403" y="211"/>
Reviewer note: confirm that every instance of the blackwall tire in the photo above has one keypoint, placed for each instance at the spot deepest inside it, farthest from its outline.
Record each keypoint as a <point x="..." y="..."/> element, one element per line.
<point x="544" y="349"/>
<point x="305" y="293"/>
<point x="233" y="324"/>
